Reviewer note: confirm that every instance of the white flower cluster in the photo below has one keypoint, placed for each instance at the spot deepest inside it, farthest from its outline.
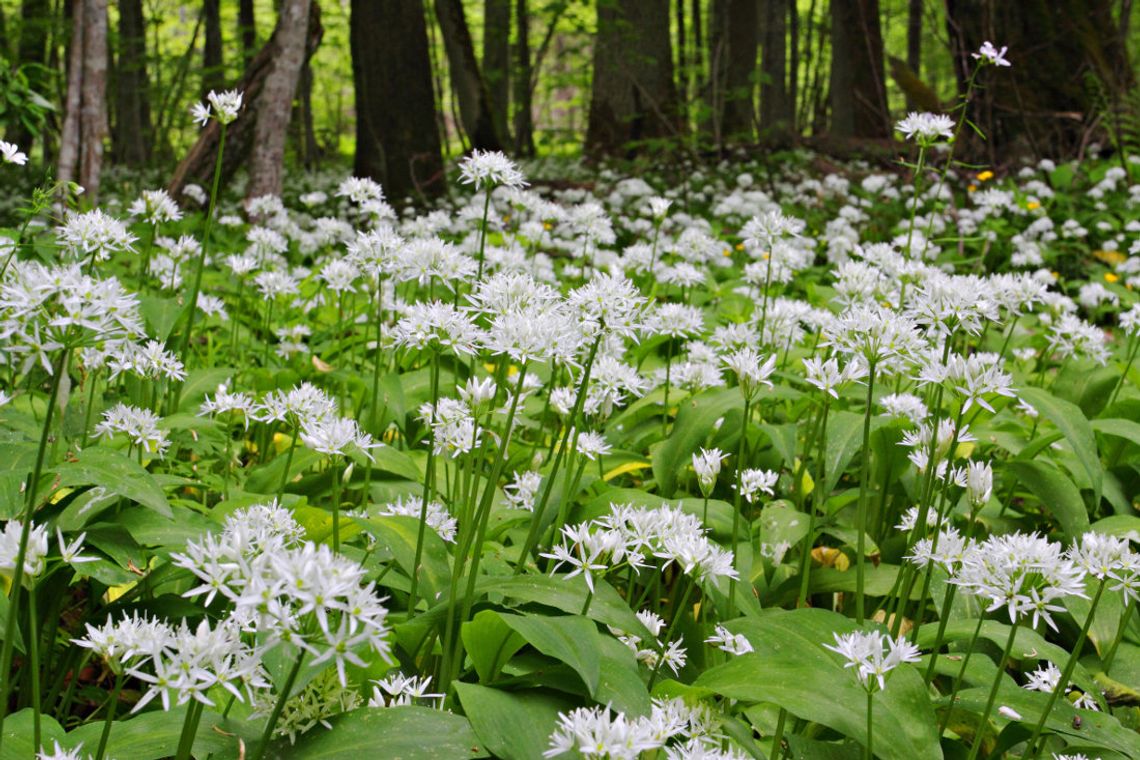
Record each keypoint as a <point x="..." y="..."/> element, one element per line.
<point x="596" y="732"/>
<point x="874" y="655"/>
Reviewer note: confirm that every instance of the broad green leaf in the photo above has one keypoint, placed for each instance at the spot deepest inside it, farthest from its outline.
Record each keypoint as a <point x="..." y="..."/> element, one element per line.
<point x="18" y="735"/>
<point x="622" y="685"/>
<point x="569" y="595"/>
<point x="153" y="735"/>
<point x="391" y="733"/>
<point x="571" y="639"/>
<point x="1057" y="493"/>
<point x="201" y="383"/>
<point x="267" y="478"/>
<point x="696" y="421"/>
<point x="388" y="459"/>
<point x="789" y="667"/>
<point x="161" y="315"/>
<point x="116" y="472"/>
<point x="399" y="535"/>
<point x="490" y="643"/>
<point x="844" y="438"/>
<point x="513" y="725"/>
<point x="1071" y="421"/>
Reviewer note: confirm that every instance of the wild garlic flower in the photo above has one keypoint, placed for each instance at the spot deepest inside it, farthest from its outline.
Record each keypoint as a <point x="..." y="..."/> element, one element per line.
<point x="224" y="401"/>
<point x="521" y="492"/>
<point x="360" y="190"/>
<point x="58" y="752"/>
<point x="828" y="377"/>
<point x="761" y="232"/>
<point x="610" y="302"/>
<point x="751" y="371"/>
<point x="1105" y="557"/>
<point x="1023" y="573"/>
<point x="706" y="464"/>
<point x="437" y="516"/>
<point x="989" y="55"/>
<point x="926" y="128"/>
<point x="653" y="651"/>
<point x="10" y="153"/>
<point x="397" y="689"/>
<point x="93" y="234"/>
<point x="726" y="641"/>
<point x="874" y="655"/>
<point x="979" y="483"/>
<point x="223" y="106"/>
<point x="438" y="326"/>
<point x="301" y="404"/>
<point x="155" y="207"/>
<point x="139" y="425"/>
<point x="35" y="554"/>
<point x="453" y="426"/>
<point x="755" y="481"/>
<point x="336" y="436"/>
<point x="595" y="732"/>
<point x="320" y="700"/>
<point x="951" y="551"/>
<point x="150" y="361"/>
<point x="490" y="169"/>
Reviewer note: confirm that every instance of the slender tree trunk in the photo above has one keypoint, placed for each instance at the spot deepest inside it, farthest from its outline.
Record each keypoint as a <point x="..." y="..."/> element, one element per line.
<point x="213" y="65"/>
<point x="776" y="110"/>
<point x="267" y="160"/>
<point x="198" y="164"/>
<point x="497" y="60"/>
<point x="858" y="87"/>
<point x="913" y="43"/>
<point x="732" y="66"/>
<point x="247" y="30"/>
<point x="85" y="123"/>
<point x="471" y="91"/>
<point x="37" y="20"/>
<point x="398" y="147"/>
<point x="682" y="58"/>
<point x="132" y="134"/>
<point x="633" y="97"/>
<point x="524" y="118"/>
<point x="794" y="59"/>
<point x="310" y="149"/>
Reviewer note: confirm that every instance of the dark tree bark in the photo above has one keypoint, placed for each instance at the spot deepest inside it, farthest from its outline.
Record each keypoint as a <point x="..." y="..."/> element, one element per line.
<point x="85" y="123"/>
<point x="37" y="20"/>
<point x="247" y="30"/>
<point x="682" y="60"/>
<point x="213" y="65"/>
<point x="1046" y="100"/>
<point x="307" y="139"/>
<point x="914" y="36"/>
<point x="198" y="164"/>
<point x="524" y="119"/>
<point x="732" y="66"/>
<point x="858" y="87"/>
<point x="794" y="57"/>
<point x="267" y="159"/>
<point x="398" y="147"/>
<point x="497" y="60"/>
<point x="467" y="81"/>
<point x="776" y="107"/>
<point x="132" y="134"/>
<point x="633" y="97"/>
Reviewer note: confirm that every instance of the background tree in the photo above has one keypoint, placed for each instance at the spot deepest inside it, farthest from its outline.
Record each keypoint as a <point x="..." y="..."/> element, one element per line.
<point x="633" y="97"/>
<point x="132" y="134"/>
<point x="732" y="64"/>
<point x="398" y="147"/>
<point x="497" y="60"/>
<point x="85" y="123"/>
<point x="858" y="89"/>
<point x="777" y="104"/>
<point x="467" y="82"/>
<point x="213" y="63"/>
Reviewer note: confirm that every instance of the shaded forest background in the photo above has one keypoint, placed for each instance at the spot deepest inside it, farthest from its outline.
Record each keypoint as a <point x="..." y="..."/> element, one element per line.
<point x="394" y="89"/>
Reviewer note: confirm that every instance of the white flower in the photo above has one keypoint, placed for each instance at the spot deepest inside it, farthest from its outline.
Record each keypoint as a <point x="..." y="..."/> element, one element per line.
<point x="10" y="153"/>
<point x="336" y="436"/>
<point x="707" y="466"/>
<point x="926" y="128"/>
<point x="1008" y="712"/>
<point x="490" y="169"/>
<point x="988" y="54"/>
<point x="874" y="655"/>
<point x="728" y="642"/>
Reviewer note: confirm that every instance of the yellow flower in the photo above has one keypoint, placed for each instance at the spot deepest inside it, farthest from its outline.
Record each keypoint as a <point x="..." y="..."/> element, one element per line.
<point x="740" y="246"/>
<point x="971" y="188"/>
<point x="1111" y="277"/>
<point x="1033" y="205"/>
<point x="986" y="175"/>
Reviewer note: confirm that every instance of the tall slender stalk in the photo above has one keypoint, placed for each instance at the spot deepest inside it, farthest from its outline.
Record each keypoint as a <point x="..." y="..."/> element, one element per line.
<point x="189" y="730"/>
<point x="267" y="735"/>
<point x="984" y="719"/>
<point x="109" y="718"/>
<point x="429" y="477"/>
<point x="867" y="752"/>
<point x="864" y="496"/>
<point x="741" y="452"/>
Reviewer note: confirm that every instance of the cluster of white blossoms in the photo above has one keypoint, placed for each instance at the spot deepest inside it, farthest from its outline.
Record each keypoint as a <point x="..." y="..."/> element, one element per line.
<point x="873" y="655"/>
<point x="37" y="550"/>
<point x="634" y="536"/>
<point x="140" y="426"/>
<point x="653" y="652"/>
<point x="683" y="730"/>
<point x="222" y="106"/>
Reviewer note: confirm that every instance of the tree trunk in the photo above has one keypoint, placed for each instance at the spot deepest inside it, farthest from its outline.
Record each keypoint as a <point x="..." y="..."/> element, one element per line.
<point x="794" y="57"/>
<point x="267" y="159"/>
<point x="213" y="65"/>
<point x="775" y="106"/>
<point x="524" y="118"/>
<point x="307" y="139"/>
<point x="732" y="66"/>
<point x="497" y="60"/>
<point x="36" y="22"/>
<point x="470" y="90"/>
<point x="858" y="88"/>
<point x="398" y="147"/>
<point x="85" y="123"/>
<point x="247" y="30"/>
<point x="198" y="165"/>
<point x="1068" y="60"/>
<point x="132" y="134"/>
<point x="633" y="97"/>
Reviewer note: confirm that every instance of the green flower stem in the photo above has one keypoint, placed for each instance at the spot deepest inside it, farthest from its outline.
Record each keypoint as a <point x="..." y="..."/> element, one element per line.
<point x="805" y="555"/>
<point x="259" y="753"/>
<point x="374" y="418"/>
<point x="778" y="737"/>
<point x="944" y="618"/>
<point x="1067" y="673"/>
<point x="288" y="463"/>
<point x="1125" y="619"/>
<point x="864" y="496"/>
<point x="334" y="468"/>
<point x="18" y="572"/>
<point x="914" y="199"/>
<point x="741" y="454"/>
<point x="483" y="230"/>
<point x="429" y="477"/>
<point x="983" y="720"/>
<point x="678" y="612"/>
<point x="540" y="507"/>
<point x="109" y="718"/>
<point x="867" y="752"/>
<point x="1133" y="345"/>
<point x="192" y="301"/>
<point x="189" y="730"/>
<point x="34" y="664"/>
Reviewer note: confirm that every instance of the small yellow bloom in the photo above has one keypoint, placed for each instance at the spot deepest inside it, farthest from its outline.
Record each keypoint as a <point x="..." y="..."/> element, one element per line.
<point x="986" y="175"/>
<point x="765" y="255"/>
<point x="740" y="246"/>
<point x="1033" y="205"/>
<point x="547" y="226"/>
<point x="1111" y="277"/>
<point x="726" y="252"/>
<point x="971" y="188"/>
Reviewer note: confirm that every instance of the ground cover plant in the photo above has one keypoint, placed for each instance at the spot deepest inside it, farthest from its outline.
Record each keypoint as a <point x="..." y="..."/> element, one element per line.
<point x="772" y="461"/>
